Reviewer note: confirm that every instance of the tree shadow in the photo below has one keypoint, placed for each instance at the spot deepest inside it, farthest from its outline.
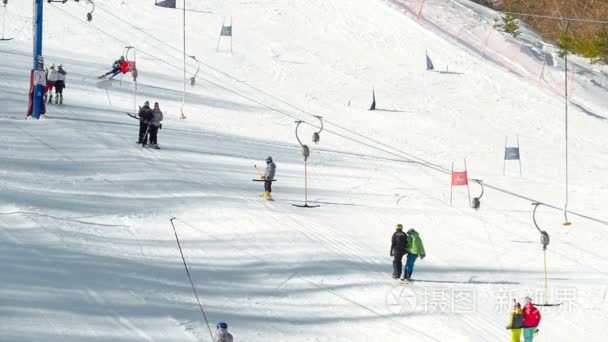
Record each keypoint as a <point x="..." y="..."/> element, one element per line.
<point x="88" y="281"/>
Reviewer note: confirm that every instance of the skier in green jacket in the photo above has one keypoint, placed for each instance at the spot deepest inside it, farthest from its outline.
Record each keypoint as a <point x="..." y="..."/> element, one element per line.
<point x="415" y="248"/>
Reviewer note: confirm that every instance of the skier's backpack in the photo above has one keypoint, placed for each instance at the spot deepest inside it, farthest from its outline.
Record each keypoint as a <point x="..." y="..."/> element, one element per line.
<point x="518" y="321"/>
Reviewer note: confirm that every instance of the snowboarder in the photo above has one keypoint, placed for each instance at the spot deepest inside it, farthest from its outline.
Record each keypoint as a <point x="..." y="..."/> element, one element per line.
<point x="398" y="250"/>
<point x="516" y="322"/>
<point x="51" y="78"/>
<point x="116" y="68"/>
<point x="157" y="117"/>
<point x="271" y="169"/>
<point x="531" y="320"/>
<point x="415" y="249"/>
<point x="145" y="119"/>
<point x="59" y="84"/>
<point x="221" y="333"/>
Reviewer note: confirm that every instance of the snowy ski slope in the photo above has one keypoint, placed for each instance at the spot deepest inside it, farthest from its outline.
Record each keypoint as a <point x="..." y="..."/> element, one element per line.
<point x="87" y="249"/>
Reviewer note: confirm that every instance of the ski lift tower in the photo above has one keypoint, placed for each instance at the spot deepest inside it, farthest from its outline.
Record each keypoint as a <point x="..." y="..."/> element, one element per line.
<point x="305" y="154"/>
<point x="544" y="241"/>
<point x="38" y="75"/>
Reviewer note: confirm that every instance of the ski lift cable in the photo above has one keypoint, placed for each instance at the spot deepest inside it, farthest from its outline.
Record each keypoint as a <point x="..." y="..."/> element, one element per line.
<point x="426" y="163"/>
<point x="420" y="161"/>
<point x="255" y="88"/>
<point x="399" y="154"/>
<point x="264" y="92"/>
<point x="249" y="85"/>
<point x="144" y="32"/>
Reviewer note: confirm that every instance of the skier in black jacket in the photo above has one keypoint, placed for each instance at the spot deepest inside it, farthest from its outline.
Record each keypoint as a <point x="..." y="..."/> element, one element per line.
<point x="116" y="68"/>
<point x="145" y="119"/>
<point x="398" y="250"/>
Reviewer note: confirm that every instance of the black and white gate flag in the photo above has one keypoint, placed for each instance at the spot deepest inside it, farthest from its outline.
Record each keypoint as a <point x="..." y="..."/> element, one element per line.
<point x="429" y="63"/>
<point x="166" y="3"/>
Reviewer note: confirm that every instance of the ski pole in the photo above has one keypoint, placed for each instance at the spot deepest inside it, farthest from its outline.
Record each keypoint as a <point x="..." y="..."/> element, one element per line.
<point x="259" y="173"/>
<point x="146" y="135"/>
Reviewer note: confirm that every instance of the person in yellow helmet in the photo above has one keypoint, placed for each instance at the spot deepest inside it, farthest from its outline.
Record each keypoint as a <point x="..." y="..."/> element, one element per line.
<point x="516" y="322"/>
<point x="398" y="250"/>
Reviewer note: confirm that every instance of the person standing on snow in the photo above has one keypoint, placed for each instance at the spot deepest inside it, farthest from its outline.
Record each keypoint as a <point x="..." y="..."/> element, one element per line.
<point x="415" y="249"/>
<point x="531" y="320"/>
<point x="145" y="119"/>
<point x="157" y="117"/>
<point x="51" y="78"/>
<point x="271" y="170"/>
<point x="59" y="85"/>
<point x="516" y="322"/>
<point x="221" y="333"/>
<point x="398" y="250"/>
<point x="116" y="68"/>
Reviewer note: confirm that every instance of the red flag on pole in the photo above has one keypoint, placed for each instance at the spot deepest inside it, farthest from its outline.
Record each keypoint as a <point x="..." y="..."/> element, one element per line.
<point x="127" y="66"/>
<point x="459" y="178"/>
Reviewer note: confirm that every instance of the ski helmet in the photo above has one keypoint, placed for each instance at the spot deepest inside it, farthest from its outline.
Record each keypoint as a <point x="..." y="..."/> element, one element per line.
<point x="52" y="66"/>
<point x="399" y="226"/>
<point x="222" y="325"/>
<point x="410" y="231"/>
<point x="269" y="159"/>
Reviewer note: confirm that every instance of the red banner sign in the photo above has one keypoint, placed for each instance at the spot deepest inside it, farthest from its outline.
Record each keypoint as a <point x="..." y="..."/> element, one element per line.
<point x="127" y="66"/>
<point x="459" y="178"/>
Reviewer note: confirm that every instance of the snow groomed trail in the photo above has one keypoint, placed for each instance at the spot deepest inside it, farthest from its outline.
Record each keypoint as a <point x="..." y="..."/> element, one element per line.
<point x="84" y="211"/>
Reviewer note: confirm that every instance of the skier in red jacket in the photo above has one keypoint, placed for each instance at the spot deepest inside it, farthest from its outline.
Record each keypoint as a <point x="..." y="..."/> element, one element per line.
<point x="531" y="320"/>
